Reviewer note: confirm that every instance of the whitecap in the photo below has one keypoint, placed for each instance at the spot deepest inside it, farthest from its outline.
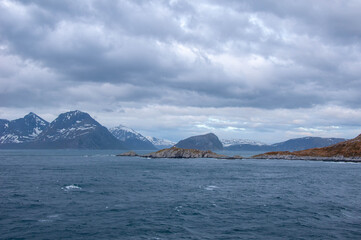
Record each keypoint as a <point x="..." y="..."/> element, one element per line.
<point x="45" y="220"/>
<point x="210" y="187"/>
<point x="49" y="218"/>
<point x="178" y="208"/>
<point x="71" y="187"/>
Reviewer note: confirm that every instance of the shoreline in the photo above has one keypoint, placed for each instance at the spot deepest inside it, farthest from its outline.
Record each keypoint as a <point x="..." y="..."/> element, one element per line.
<point x="310" y="158"/>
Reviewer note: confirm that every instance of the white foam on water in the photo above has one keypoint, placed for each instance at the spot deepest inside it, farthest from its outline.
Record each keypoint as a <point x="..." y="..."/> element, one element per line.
<point x="45" y="220"/>
<point x="210" y="187"/>
<point x="178" y="208"/>
<point x="71" y="187"/>
<point x="49" y="218"/>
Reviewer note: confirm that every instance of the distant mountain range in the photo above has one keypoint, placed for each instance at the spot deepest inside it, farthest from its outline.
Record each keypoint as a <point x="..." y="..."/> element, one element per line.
<point x="78" y="130"/>
<point x="74" y="130"/>
<point x="289" y="145"/>
<point x="211" y="142"/>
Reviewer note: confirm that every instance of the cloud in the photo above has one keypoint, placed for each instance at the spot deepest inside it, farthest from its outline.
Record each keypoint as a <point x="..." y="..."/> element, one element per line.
<point x="244" y="56"/>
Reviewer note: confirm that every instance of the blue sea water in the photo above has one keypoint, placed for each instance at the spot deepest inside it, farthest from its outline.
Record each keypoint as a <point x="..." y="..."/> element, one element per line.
<point x="96" y="195"/>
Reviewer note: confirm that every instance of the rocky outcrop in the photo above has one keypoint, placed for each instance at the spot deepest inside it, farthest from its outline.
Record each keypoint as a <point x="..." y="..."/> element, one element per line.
<point x="201" y="142"/>
<point x="175" y="152"/>
<point x="344" y="151"/>
<point x="128" y="154"/>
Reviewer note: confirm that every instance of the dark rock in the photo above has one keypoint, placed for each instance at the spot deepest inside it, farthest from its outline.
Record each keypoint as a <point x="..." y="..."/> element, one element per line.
<point x="202" y="142"/>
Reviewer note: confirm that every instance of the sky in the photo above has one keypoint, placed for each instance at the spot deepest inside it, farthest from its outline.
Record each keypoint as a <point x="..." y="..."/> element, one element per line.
<point x="260" y="70"/>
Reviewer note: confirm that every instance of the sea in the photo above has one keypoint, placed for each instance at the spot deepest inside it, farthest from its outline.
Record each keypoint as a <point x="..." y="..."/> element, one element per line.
<point x="81" y="194"/>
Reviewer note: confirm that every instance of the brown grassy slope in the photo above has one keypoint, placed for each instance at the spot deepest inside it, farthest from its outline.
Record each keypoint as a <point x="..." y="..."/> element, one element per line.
<point x="349" y="148"/>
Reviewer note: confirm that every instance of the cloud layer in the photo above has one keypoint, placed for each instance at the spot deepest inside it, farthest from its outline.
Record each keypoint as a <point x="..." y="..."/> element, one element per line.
<point x="249" y="69"/>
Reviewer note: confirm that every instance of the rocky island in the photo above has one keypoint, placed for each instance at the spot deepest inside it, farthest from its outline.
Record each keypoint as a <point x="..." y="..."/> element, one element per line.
<point x="347" y="151"/>
<point x="175" y="152"/>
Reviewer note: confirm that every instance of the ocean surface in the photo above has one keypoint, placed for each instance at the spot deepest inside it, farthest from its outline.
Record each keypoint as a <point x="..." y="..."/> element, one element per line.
<point x="66" y="194"/>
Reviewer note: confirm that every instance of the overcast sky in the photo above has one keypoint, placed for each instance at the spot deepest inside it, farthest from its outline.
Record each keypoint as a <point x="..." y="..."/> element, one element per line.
<point x="261" y="70"/>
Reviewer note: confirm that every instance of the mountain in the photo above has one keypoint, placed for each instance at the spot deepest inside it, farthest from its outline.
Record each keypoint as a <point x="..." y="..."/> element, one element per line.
<point x="289" y="145"/>
<point x="161" y="143"/>
<point x="77" y="130"/>
<point x="22" y="130"/>
<point x="305" y="143"/>
<point x="4" y="124"/>
<point x="201" y="142"/>
<point x="346" y="150"/>
<point x="131" y="139"/>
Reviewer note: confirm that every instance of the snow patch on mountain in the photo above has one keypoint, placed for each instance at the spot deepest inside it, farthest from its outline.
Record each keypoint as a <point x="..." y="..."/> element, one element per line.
<point x="22" y="130"/>
<point x="161" y="143"/>
<point x="230" y="142"/>
<point x="131" y="139"/>
<point x="123" y="133"/>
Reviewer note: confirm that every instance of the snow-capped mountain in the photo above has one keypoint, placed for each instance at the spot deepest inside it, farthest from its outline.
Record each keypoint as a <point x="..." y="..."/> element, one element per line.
<point x="77" y="129"/>
<point x="131" y="139"/>
<point x="229" y="142"/>
<point x="22" y="130"/>
<point x="161" y="143"/>
<point x="4" y="124"/>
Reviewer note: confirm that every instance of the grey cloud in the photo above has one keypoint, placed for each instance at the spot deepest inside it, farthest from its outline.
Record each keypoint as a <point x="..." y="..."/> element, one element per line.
<point x="258" y="54"/>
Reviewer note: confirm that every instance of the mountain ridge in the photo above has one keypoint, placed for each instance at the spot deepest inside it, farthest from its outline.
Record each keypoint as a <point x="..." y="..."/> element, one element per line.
<point x="22" y="130"/>
<point x="76" y="129"/>
<point x="131" y="138"/>
<point x="293" y="144"/>
<point x="161" y="143"/>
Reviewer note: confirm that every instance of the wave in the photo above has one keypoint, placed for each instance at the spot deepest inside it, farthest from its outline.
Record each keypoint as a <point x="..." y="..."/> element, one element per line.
<point x="211" y="187"/>
<point x="71" y="187"/>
